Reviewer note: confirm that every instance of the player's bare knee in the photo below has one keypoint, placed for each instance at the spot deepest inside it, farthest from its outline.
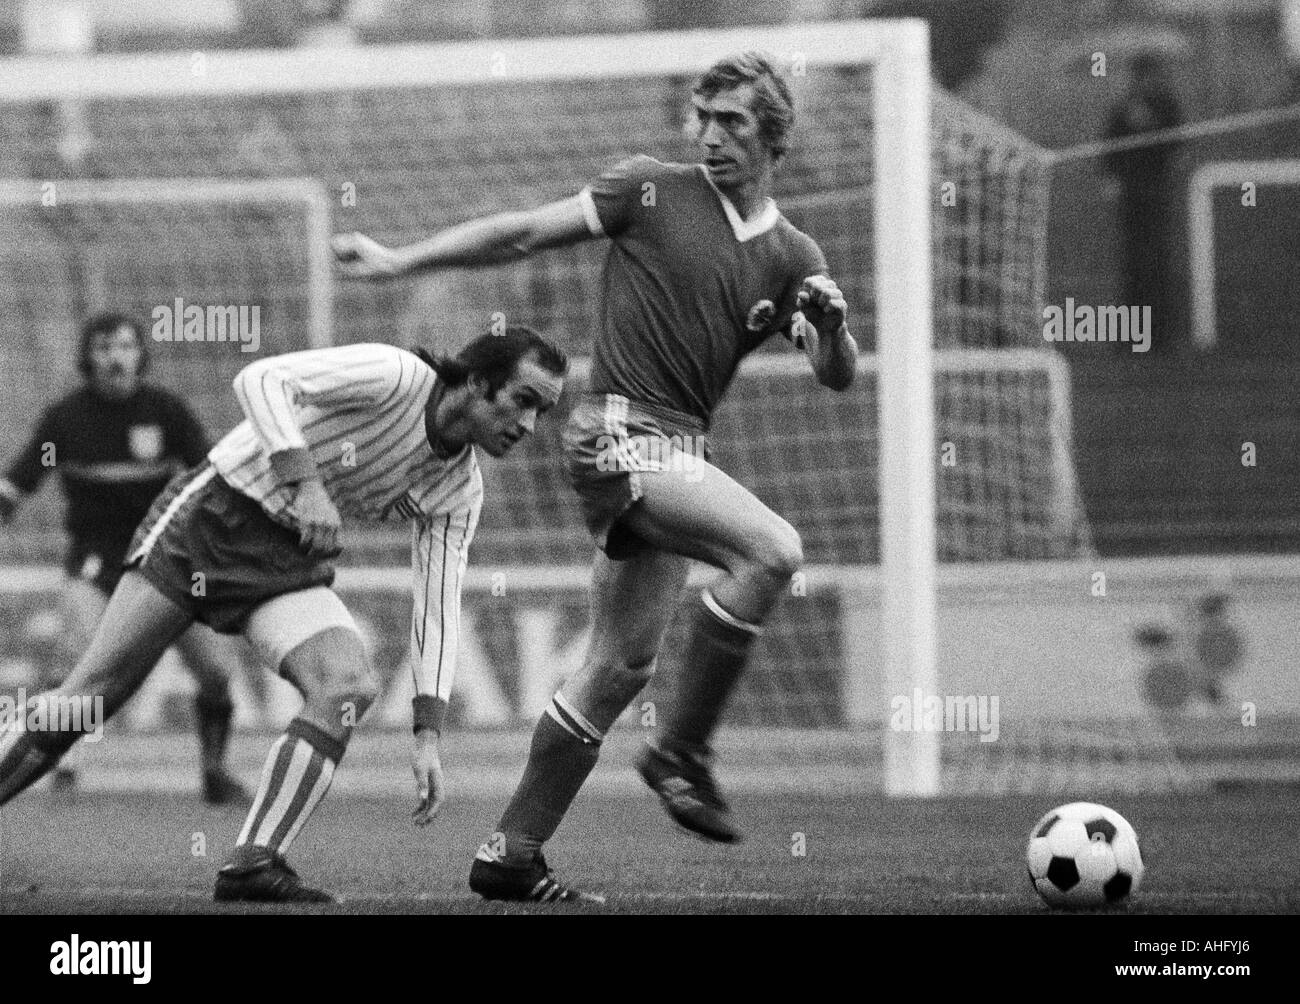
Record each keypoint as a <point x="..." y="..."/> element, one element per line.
<point x="350" y="698"/>
<point x="332" y="667"/>
<point x="347" y="695"/>
<point x="780" y="555"/>
<point x="602" y="658"/>
<point x="352" y="679"/>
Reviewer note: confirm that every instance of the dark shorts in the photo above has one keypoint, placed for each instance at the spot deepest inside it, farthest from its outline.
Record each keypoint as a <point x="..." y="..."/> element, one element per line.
<point x="215" y="552"/>
<point x="610" y="443"/>
<point x="96" y="562"/>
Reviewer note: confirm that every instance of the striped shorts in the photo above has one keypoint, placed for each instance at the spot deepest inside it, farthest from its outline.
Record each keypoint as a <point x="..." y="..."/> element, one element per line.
<point x="216" y="553"/>
<point x="610" y="443"/>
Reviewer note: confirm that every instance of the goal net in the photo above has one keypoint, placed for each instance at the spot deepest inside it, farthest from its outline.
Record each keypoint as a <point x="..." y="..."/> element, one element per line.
<point x="181" y="176"/>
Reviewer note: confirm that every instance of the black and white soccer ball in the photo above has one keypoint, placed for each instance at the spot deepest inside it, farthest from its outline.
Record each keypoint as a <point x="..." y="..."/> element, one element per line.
<point x="1084" y="855"/>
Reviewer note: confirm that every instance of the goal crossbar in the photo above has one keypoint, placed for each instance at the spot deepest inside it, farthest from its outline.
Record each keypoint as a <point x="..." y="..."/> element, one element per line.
<point x="643" y="54"/>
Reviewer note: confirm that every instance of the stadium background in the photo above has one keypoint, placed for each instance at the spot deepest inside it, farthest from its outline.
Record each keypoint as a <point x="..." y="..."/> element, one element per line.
<point x="1157" y="440"/>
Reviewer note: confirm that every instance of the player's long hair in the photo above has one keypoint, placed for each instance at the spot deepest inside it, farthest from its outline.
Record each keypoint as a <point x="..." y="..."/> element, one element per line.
<point x="494" y="357"/>
<point x="105" y="324"/>
<point x="773" y="103"/>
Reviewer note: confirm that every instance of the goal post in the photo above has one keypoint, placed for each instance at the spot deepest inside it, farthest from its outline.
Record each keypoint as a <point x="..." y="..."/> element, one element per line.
<point x="905" y="345"/>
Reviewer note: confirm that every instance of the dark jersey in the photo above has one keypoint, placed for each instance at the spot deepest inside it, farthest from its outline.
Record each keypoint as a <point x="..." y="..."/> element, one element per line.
<point x="689" y="288"/>
<point x="115" y="457"/>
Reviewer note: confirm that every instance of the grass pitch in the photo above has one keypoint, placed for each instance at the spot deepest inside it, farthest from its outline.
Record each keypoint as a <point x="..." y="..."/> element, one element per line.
<point x="137" y="839"/>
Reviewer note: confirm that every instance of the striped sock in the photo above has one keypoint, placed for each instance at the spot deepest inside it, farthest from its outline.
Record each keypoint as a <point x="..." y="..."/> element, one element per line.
<point x="297" y="774"/>
<point x="564" y="750"/>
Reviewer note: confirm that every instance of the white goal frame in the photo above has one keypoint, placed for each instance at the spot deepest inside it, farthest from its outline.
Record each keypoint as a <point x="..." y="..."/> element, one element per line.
<point x="898" y="53"/>
<point x="1200" y="231"/>
<point x="308" y="193"/>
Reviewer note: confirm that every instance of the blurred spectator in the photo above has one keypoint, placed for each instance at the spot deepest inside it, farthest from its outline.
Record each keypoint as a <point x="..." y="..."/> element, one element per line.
<point x="1216" y="641"/>
<point x="1166" y="677"/>
<point x="1147" y="196"/>
<point x="1185" y="668"/>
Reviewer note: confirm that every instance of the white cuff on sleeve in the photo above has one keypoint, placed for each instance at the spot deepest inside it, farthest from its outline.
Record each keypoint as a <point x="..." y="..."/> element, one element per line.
<point x="589" y="213"/>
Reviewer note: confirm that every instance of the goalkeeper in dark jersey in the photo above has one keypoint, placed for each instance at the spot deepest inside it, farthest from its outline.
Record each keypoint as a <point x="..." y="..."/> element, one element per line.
<point x="116" y="441"/>
<point x="702" y="269"/>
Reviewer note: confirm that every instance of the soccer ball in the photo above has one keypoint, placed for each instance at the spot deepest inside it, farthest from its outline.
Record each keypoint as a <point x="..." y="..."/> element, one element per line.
<point x="1084" y="855"/>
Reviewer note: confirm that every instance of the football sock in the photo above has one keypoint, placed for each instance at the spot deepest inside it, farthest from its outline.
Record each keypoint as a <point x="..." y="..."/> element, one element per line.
<point x="564" y="750"/>
<point x="26" y="756"/>
<point x="297" y="774"/>
<point x="213" y="715"/>
<point x="716" y="654"/>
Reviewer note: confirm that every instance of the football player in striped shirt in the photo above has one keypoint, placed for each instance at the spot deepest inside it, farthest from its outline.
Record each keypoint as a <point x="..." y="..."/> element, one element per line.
<point x="702" y="269"/>
<point x="116" y="441"/>
<point x="244" y="543"/>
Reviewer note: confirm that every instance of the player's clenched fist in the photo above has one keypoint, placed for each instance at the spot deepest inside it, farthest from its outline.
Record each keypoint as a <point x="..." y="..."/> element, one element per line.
<point x="359" y="257"/>
<point x="317" y="519"/>
<point x="822" y="304"/>
<point x="427" y="763"/>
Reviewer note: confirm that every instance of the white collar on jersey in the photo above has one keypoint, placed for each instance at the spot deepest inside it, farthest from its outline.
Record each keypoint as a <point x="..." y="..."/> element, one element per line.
<point x="744" y="229"/>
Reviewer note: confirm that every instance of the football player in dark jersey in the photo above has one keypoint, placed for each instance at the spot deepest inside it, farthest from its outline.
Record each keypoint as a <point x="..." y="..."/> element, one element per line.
<point x="117" y="440"/>
<point x="702" y="269"/>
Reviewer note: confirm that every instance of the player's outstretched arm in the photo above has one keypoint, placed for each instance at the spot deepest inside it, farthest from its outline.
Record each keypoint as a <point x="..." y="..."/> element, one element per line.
<point x="489" y="240"/>
<point x="824" y="332"/>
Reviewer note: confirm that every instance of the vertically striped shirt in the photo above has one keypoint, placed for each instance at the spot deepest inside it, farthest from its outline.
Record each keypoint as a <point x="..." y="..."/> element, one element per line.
<point x="358" y="412"/>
